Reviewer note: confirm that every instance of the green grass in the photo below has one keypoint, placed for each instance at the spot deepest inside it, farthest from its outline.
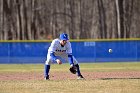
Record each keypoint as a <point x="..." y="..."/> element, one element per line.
<point x="96" y="67"/>
<point x="109" y="67"/>
<point x="20" y="67"/>
<point x="71" y="86"/>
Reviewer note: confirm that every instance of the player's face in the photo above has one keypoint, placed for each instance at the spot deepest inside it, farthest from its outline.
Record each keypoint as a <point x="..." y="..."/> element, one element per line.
<point x="63" y="42"/>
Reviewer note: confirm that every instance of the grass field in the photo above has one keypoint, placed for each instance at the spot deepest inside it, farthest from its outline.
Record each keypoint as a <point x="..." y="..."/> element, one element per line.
<point x="70" y="85"/>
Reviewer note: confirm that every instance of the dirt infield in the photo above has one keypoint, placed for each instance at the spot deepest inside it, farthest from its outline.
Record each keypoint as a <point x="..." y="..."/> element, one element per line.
<point x="67" y="76"/>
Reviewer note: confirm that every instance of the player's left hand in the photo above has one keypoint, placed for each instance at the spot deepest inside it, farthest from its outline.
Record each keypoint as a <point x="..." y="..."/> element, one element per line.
<point x="58" y="61"/>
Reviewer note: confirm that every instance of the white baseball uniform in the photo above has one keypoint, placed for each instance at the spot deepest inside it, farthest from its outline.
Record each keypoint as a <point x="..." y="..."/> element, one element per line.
<point x="60" y="52"/>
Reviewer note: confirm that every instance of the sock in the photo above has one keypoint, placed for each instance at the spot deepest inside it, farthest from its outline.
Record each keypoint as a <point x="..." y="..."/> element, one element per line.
<point x="78" y="70"/>
<point x="47" y="69"/>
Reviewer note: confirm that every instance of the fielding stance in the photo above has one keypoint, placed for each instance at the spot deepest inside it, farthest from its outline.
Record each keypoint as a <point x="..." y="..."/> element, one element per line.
<point x="60" y="51"/>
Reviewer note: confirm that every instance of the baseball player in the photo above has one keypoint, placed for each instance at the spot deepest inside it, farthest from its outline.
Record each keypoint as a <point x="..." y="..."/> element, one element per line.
<point x="60" y="51"/>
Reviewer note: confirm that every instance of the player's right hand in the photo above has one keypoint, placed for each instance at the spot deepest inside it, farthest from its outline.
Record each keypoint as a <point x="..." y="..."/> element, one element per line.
<point x="58" y="61"/>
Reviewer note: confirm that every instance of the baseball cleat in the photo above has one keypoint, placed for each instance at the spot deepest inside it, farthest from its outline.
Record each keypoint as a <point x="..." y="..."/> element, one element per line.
<point x="80" y="77"/>
<point x="46" y="78"/>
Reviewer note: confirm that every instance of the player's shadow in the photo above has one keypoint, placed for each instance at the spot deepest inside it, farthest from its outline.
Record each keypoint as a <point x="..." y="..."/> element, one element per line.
<point x="116" y="78"/>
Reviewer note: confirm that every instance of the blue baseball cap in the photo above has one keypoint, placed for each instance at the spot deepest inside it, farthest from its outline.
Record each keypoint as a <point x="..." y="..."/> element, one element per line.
<point x="63" y="36"/>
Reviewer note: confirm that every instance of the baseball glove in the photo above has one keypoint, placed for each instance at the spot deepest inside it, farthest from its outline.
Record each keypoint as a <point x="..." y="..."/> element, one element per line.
<point x="73" y="69"/>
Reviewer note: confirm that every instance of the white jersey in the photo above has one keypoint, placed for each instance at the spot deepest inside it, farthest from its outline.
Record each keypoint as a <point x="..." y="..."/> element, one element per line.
<point x="58" y="49"/>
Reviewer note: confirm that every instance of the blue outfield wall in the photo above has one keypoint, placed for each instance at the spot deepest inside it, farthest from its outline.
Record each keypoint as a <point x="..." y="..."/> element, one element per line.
<point x="84" y="51"/>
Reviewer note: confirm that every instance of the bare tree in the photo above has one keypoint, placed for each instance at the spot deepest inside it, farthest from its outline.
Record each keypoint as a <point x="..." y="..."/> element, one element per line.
<point x="81" y="19"/>
<point x="118" y="18"/>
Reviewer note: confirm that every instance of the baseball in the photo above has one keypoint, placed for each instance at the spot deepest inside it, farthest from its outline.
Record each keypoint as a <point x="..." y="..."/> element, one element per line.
<point x="110" y="50"/>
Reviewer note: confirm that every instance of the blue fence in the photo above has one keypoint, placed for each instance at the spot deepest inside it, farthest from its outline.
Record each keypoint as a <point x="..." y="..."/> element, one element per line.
<point x="84" y="51"/>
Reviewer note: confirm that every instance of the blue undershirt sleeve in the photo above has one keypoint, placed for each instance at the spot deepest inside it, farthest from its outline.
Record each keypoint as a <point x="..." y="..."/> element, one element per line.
<point x="53" y="56"/>
<point x="70" y="58"/>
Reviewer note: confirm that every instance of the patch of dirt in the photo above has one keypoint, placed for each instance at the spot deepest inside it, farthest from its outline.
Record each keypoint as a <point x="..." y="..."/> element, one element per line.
<point x="69" y="76"/>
